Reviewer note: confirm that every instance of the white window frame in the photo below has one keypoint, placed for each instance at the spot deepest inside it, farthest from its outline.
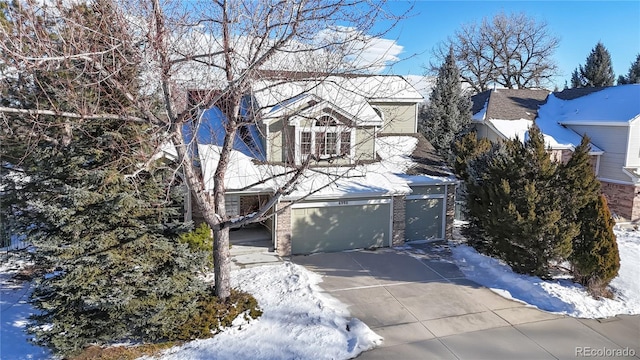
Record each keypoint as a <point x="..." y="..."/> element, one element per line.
<point x="337" y="129"/>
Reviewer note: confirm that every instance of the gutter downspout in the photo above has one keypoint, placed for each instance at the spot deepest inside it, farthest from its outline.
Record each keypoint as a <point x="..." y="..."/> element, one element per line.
<point x="274" y="232"/>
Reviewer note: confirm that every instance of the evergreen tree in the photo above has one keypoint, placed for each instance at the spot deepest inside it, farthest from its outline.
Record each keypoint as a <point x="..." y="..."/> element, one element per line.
<point x="578" y="181"/>
<point x="595" y="259"/>
<point x="597" y="70"/>
<point x="514" y="206"/>
<point x="449" y="111"/>
<point x="118" y="271"/>
<point x="466" y="150"/>
<point x="576" y="79"/>
<point x="633" y="77"/>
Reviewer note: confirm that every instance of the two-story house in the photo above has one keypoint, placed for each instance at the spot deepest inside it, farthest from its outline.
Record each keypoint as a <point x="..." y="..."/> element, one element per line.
<point x="609" y="116"/>
<point x="373" y="182"/>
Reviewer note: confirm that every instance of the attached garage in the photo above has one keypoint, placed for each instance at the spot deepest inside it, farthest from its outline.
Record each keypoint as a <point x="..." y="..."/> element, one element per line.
<point x="340" y="225"/>
<point x="425" y="213"/>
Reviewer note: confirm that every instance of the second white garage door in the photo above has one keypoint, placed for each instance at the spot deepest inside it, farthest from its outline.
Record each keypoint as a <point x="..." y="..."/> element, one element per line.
<point x="341" y="225"/>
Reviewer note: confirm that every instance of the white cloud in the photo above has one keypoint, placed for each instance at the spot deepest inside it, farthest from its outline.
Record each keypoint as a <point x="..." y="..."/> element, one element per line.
<point x="363" y="52"/>
<point x="378" y="53"/>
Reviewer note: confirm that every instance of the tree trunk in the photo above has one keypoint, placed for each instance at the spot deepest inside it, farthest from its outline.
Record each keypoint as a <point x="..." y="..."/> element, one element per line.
<point x="222" y="262"/>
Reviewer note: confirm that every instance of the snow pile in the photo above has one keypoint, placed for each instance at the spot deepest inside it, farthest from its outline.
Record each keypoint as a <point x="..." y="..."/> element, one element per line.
<point x="299" y="322"/>
<point x="560" y="296"/>
<point x="398" y="147"/>
<point x="15" y="311"/>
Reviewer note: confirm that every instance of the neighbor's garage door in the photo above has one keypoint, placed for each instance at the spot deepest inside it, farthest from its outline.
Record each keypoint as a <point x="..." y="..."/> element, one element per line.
<point x="424" y="213"/>
<point x="337" y="226"/>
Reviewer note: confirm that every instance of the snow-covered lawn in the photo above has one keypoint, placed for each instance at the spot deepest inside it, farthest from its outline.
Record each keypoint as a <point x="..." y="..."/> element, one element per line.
<point x="15" y="311"/>
<point x="300" y="321"/>
<point x="560" y="296"/>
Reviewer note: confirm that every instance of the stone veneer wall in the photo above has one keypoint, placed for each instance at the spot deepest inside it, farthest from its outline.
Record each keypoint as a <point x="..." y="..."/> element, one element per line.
<point x="450" y="212"/>
<point x="398" y="234"/>
<point x="283" y="229"/>
<point x="623" y="200"/>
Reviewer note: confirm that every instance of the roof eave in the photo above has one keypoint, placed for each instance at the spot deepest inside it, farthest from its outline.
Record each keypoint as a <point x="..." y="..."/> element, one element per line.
<point x="595" y="123"/>
<point x="635" y="178"/>
<point x="412" y="100"/>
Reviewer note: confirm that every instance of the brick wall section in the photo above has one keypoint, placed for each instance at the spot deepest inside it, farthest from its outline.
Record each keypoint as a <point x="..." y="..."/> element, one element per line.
<point x="398" y="234"/>
<point x="563" y="156"/>
<point x="623" y="200"/>
<point x="451" y="211"/>
<point x="283" y="230"/>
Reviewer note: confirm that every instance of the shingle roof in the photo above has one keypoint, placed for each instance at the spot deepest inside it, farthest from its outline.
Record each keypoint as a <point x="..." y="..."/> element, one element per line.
<point x="514" y="104"/>
<point x="478" y="101"/>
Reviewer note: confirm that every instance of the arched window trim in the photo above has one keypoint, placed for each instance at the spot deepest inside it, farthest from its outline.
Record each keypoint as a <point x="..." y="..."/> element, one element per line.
<point x="326" y="120"/>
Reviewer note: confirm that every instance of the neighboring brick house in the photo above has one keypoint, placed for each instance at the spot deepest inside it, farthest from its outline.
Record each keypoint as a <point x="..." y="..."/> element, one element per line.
<point x="609" y="116"/>
<point x="351" y="126"/>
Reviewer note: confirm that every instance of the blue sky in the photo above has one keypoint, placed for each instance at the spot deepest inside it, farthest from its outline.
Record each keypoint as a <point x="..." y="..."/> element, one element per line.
<point x="578" y="24"/>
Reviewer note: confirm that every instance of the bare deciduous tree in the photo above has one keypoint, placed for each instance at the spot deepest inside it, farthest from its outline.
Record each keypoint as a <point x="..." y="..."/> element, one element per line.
<point x="222" y="47"/>
<point x="513" y="51"/>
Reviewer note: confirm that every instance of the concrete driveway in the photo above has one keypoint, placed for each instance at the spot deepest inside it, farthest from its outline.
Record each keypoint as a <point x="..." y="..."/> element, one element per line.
<point x="425" y="309"/>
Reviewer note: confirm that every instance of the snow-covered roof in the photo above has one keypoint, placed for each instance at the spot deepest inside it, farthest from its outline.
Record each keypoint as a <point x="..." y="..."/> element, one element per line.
<point x="384" y="178"/>
<point x="616" y="105"/>
<point x="350" y="94"/>
<point x="611" y="106"/>
<point x="555" y="136"/>
<point x="511" y="129"/>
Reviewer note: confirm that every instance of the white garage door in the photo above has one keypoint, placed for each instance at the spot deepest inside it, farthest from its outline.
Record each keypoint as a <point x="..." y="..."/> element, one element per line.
<point x="337" y="226"/>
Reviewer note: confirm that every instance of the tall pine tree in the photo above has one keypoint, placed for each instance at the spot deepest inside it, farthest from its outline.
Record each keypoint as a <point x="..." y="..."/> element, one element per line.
<point x="597" y="70"/>
<point x="579" y="181"/>
<point x="633" y="76"/>
<point x="594" y="259"/>
<point x="449" y="111"/>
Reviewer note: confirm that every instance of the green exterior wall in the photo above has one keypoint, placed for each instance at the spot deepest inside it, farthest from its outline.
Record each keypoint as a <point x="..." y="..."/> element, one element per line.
<point x="398" y="117"/>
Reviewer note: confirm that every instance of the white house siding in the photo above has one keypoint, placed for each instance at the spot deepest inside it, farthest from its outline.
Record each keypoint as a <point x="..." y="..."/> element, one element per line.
<point x="399" y="118"/>
<point x="613" y="140"/>
<point x="633" y="155"/>
<point x="484" y="131"/>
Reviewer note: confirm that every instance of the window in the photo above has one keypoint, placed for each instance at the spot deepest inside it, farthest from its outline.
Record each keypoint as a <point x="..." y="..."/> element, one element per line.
<point x="305" y="143"/>
<point x="327" y="137"/>
<point x="326" y="120"/>
<point x="345" y="142"/>
<point x="330" y="144"/>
